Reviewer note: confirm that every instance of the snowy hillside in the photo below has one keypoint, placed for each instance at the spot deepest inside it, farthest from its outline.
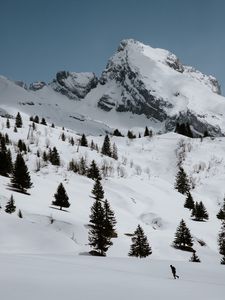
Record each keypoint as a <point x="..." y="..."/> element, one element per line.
<point x="140" y="86"/>
<point x="140" y="188"/>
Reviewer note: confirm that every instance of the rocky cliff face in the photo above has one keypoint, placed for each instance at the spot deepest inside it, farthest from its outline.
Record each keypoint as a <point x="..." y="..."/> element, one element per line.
<point x="153" y="82"/>
<point x="74" y="85"/>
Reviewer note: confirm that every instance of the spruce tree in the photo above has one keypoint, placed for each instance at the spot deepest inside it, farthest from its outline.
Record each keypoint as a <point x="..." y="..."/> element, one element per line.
<point x="189" y="203"/>
<point x="114" y="152"/>
<point x="199" y="212"/>
<point x="83" y="141"/>
<point x="221" y="243"/>
<point x="98" y="238"/>
<point x="5" y="160"/>
<point x="221" y="213"/>
<point x="98" y="191"/>
<point x="21" y="177"/>
<point x="63" y="137"/>
<point x="183" y="238"/>
<point x="140" y="246"/>
<point x="36" y="119"/>
<point x="109" y="220"/>
<point x="18" y="122"/>
<point x="54" y="157"/>
<point x="182" y="182"/>
<point x="131" y="135"/>
<point x="116" y="132"/>
<point x="146" y="133"/>
<point x="106" y="147"/>
<point x="7" y="123"/>
<point x="15" y="129"/>
<point x="93" y="171"/>
<point x="43" y="122"/>
<point x="82" y="166"/>
<point x="20" y="214"/>
<point x="10" y="206"/>
<point x="194" y="257"/>
<point x="61" y="198"/>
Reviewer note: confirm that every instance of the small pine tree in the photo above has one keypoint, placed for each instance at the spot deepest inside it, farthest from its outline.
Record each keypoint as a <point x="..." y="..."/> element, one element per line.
<point x="116" y="132"/>
<point x="146" y="133"/>
<point x="20" y="214"/>
<point x="92" y="146"/>
<point x="114" y="152"/>
<point x="93" y="171"/>
<point x="109" y="220"/>
<point x="183" y="238"/>
<point x="18" y="122"/>
<point x="194" y="257"/>
<point x="15" y="129"/>
<point x="10" y="206"/>
<point x="54" y="157"/>
<point x="221" y="213"/>
<point x="131" y="135"/>
<point x="43" y="122"/>
<point x="82" y="166"/>
<point x="140" y="246"/>
<point x="72" y="141"/>
<point x="63" y="137"/>
<point x="53" y="125"/>
<point x="61" y="198"/>
<point x="21" y="177"/>
<point x="5" y="161"/>
<point x="189" y="203"/>
<point x="199" y="212"/>
<point x="7" y="123"/>
<point x="36" y="119"/>
<point x="106" y="147"/>
<point x="221" y="242"/>
<point x="45" y="156"/>
<point x="182" y="182"/>
<point x="83" y="141"/>
<point x="98" y="191"/>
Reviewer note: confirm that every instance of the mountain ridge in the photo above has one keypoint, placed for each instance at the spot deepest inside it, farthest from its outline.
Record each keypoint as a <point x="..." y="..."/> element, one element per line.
<point x="144" y="85"/>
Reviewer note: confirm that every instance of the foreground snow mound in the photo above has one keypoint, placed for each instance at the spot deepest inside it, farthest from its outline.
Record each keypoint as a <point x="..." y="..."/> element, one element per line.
<point x="90" y="278"/>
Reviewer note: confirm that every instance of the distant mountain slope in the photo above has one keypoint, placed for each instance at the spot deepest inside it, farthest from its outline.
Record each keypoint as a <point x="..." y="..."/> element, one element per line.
<point x="140" y="86"/>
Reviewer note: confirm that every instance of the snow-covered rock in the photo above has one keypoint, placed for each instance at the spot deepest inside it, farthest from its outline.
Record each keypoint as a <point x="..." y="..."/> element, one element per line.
<point x="74" y="85"/>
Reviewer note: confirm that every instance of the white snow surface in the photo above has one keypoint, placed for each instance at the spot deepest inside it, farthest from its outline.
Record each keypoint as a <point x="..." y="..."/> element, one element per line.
<point x="48" y="260"/>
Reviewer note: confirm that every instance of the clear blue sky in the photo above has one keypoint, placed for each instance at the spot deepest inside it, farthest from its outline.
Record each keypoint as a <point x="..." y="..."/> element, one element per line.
<point x="39" y="38"/>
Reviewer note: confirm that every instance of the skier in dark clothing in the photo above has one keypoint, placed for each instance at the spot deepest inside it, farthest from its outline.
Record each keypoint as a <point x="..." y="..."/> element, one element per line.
<point x="173" y="269"/>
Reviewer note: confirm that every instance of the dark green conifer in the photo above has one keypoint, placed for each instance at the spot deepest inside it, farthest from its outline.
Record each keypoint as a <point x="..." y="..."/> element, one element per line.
<point x="61" y="198"/>
<point x="182" y="182"/>
<point x="18" y="122"/>
<point x="21" y="177"/>
<point x="98" y="191"/>
<point x="194" y="257"/>
<point x="83" y="141"/>
<point x="106" y="147"/>
<point x="10" y="206"/>
<point x="199" y="212"/>
<point x="183" y="238"/>
<point x="140" y="246"/>
<point x="98" y="239"/>
<point x="93" y="171"/>
<point x="189" y="203"/>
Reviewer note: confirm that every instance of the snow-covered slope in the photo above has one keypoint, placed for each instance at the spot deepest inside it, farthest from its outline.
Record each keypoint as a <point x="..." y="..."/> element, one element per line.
<point x="48" y="248"/>
<point x="140" y="86"/>
<point x="139" y="186"/>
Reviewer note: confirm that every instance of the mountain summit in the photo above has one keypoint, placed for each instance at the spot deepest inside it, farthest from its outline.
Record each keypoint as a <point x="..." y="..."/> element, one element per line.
<point x="140" y="86"/>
